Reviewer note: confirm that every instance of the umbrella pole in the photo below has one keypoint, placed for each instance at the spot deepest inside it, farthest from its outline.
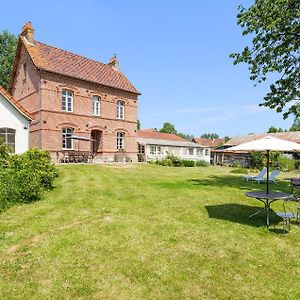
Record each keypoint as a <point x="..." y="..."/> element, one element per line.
<point x="268" y="163"/>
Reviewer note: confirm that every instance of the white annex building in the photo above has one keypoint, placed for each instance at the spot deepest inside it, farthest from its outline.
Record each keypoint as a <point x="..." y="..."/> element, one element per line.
<point x="154" y="145"/>
<point x="14" y="123"/>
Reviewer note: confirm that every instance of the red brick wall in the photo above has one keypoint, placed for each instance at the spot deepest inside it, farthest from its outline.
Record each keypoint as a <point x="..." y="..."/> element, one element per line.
<point x="41" y="95"/>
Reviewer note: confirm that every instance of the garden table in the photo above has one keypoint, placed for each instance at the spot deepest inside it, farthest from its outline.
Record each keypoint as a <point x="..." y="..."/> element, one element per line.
<point x="267" y="199"/>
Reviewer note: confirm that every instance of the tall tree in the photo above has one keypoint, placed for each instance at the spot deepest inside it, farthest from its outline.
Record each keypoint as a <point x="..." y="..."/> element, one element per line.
<point x="275" y="28"/>
<point x="274" y="129"/>
<point x="296" y="125"/>
<point x="138" y="124"/>
<point x="8" y="44"/>
<point x="168" y="128"/>
<point x="210" y="136"/>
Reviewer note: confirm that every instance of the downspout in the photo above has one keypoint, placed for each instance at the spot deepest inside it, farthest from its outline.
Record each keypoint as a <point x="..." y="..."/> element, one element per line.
<point x="40" y="102"/>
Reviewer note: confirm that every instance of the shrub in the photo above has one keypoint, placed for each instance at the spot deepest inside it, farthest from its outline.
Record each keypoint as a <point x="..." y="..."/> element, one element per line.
<point x="286" y="164"/>
<point x="201" y="163"/>
<point x="187" y="163"/>
<point x="259" y="159"/>
<point x="23" y="178"/>
<point x="297" y="164"/>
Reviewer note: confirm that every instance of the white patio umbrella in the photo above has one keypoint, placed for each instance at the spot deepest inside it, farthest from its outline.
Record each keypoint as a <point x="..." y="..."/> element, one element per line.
<point x="267" y="144"/>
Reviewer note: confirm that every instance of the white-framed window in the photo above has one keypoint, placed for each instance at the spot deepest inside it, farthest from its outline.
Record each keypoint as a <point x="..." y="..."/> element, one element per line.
<point x="67" y="101"/>
<point x="8" y="137"/>
<point x="191" y="151"/>
<point x="96" y="106"/>
<point x="199" y="152"/>
<point x="120" y="109"/>
<point x="67" y="142"/>
<point x="206" y="151"/>
<point x="152" y="150"/>
<point x="120" y="140"/>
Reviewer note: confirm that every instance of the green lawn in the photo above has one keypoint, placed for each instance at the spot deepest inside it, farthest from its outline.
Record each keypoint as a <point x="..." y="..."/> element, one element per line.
<point x="147" y="232"/>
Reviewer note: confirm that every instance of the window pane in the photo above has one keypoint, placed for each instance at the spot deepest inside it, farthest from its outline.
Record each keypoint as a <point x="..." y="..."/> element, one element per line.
<point x="11" y="138"/>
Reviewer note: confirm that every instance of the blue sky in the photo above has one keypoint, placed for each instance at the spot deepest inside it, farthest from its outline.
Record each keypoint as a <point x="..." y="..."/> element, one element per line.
<point x="174" y="52"/>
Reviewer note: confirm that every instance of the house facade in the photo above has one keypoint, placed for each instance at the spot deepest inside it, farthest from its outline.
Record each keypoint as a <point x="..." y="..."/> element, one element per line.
<point x="73" y="96"/>
<point x="154" y="145"/>
<point x="14" y="123"/>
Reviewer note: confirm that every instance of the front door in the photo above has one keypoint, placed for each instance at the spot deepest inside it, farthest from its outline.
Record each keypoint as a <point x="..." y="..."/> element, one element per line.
<point x="95" y="144"/>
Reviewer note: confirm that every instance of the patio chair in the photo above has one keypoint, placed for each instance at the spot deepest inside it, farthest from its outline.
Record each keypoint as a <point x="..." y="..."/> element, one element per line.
<point x="288" y="214"/>
<point x="261" y="174"/>
<point x="273" y="176"/>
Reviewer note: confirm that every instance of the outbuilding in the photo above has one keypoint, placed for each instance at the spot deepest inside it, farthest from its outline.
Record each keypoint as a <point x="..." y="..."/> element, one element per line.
<point x="14" y="123"/>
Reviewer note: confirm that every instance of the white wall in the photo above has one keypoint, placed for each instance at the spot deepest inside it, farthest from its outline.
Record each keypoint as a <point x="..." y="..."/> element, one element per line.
<point x="181" y="152"/>
<point x="10" y="117"/>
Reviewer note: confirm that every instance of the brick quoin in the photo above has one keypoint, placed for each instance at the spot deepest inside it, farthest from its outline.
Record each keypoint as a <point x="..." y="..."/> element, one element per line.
<point x="39" y="91"/>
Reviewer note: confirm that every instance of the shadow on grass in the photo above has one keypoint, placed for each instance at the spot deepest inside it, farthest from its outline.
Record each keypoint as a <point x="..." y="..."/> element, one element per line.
<point x="239" y="213"/>
<point x="237" y="182"/>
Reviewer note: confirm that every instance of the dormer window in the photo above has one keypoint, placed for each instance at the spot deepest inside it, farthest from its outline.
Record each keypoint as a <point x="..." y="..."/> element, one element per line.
<point x="120" y="109"/>
<point x="67" y="101"/>
<point x="96" y="106"/>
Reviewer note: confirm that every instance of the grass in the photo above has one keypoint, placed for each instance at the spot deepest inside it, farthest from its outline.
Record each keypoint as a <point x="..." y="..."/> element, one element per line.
<point x="147" y="232"/>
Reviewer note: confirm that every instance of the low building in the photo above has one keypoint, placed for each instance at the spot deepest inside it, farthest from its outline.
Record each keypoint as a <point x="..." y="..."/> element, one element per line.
<point x="211" y="143"/>
<point x="154" y="145"/>
<point x="14" y="123"/>
<point x="226" y="158"/>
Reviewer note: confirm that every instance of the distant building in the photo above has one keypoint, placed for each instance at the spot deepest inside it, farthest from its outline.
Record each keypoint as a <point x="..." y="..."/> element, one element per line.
<point x="221" y="157"/>
<point x="14" y="123"/>
<point x="154" y="145"/>
<point x="211" y="143"/>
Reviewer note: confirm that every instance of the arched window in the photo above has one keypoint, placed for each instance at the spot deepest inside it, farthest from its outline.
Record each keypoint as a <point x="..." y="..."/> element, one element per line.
<point x="8" y="136"/>
<point x="120" y="140"/>
<point x="67" y="101"/>
<point x="120" y="109"/>
<point x="96" y="106"/>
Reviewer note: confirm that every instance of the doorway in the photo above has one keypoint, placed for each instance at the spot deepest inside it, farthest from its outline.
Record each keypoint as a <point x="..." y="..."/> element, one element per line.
<point x="96" y="135"/>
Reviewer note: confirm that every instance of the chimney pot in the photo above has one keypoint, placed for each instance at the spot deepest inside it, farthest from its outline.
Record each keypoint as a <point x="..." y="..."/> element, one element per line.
<point x="113" y="61"/>
<point x="28" y="32"/>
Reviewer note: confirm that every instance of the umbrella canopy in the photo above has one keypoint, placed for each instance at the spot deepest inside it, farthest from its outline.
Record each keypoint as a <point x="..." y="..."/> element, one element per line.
<point x="267" y="144"/>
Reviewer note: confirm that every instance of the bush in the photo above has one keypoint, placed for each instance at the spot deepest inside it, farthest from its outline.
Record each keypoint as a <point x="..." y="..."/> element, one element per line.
<point x="201" y="163"/>
<point x="187" y="163"/>
<point x="259" y="159"/>
<point x="286" y="164"/>
<point x="23" y="178"/>
<point x="297" y="164"/>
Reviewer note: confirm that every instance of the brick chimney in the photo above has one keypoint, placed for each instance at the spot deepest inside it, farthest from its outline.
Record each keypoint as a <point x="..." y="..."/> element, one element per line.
<point x="28" y="32"/>
<point x="114" y="62"/>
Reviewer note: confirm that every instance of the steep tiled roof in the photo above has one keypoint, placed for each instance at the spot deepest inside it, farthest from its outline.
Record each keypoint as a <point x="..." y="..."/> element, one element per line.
<point x="17" y="105"/>
<point x="209" y="142"/>
<point x="62" y="62"/>
<point x="293" y="136"/>
<point x="155" y="135"/>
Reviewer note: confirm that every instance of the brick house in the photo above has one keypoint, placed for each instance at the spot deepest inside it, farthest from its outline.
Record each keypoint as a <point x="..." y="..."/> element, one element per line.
<point x="70" y="95"/>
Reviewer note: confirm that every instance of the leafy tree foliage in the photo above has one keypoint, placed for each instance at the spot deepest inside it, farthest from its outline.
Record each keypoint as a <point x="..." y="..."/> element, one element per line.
<point x="168" y="128"/>
<point x="226" y="139"/>
<point x="8" y="44"/>
<point x="274" y="129"/>
<point x="138" y="125"/>
<point x="275" y="28"/>
<point x="210" y="136"/>
<point x="296" y="125"/>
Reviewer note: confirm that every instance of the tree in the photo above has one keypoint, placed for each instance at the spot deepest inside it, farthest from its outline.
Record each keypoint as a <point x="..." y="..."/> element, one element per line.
<point x="296" y="125"/>
<point x="138" y="125"/>
<point x="168" y="128"/>
<point x="210" y="136"/>
<point x="275" y="27"/>
<point x="226" y="139"/>
<point x="8" y="45"/>
<point x="273" y="129"/>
